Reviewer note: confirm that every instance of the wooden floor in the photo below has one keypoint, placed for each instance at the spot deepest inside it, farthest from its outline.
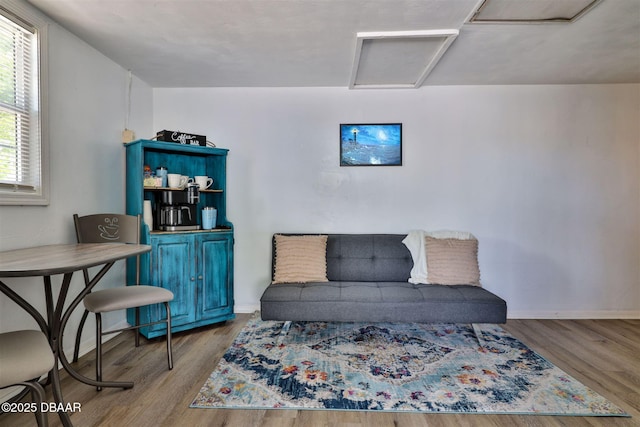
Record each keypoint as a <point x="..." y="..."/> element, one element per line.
<point x="602" y="354"/>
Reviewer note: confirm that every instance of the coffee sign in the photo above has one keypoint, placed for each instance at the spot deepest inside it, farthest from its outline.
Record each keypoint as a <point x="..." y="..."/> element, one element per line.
<point x="181" y="138"/>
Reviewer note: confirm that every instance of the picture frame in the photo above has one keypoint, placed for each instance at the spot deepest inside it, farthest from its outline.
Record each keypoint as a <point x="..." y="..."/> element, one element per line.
<point x="371" y="144"/>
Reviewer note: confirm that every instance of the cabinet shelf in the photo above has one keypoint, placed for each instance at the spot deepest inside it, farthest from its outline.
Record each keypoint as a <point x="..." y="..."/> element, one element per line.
<point x="213" y="230"/>
<point x="178" y="189"/>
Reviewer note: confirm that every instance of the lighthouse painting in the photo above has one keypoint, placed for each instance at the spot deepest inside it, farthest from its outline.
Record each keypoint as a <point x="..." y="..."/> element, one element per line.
<point x="371" y="144"/>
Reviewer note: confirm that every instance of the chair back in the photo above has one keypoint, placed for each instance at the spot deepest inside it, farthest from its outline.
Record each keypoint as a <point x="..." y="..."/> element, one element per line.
<point x="108" y="228"/>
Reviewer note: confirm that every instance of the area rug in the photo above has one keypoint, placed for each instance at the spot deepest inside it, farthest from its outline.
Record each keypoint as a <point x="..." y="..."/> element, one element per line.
<point x="440" y="368"/>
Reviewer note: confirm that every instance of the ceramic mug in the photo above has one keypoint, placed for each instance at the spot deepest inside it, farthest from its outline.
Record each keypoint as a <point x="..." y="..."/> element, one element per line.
<point x="176" y="180"/>
<point x="204" y="181"/>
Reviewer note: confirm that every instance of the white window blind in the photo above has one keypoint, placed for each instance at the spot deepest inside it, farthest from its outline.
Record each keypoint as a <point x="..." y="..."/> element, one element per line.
<point x="20" y="138"/>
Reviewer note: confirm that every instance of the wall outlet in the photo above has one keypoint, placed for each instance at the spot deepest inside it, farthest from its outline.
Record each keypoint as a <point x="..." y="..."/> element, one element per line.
<point x="128" y="135"/>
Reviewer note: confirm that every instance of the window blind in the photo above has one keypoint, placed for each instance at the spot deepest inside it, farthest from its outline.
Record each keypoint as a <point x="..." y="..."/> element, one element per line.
<point x="20" y="163"/>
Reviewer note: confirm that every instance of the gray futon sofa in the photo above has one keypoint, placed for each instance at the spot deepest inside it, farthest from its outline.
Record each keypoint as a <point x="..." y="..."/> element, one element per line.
<point x="368" y="282"/>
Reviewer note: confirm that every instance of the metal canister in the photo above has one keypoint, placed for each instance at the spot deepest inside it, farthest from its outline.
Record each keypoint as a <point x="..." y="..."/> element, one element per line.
<point x="193" y="193"/>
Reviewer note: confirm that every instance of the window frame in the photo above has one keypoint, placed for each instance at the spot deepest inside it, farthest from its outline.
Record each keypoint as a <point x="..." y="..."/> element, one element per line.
<point x="27" y="16"/>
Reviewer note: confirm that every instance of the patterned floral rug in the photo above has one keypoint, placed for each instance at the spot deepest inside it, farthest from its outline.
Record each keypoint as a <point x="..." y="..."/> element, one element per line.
<point x="392" y="367"/>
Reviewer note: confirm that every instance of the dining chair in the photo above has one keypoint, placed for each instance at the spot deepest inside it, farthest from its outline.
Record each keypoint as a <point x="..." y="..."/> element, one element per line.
<point x="118" y="228"/>
<point x="25" y="356"/>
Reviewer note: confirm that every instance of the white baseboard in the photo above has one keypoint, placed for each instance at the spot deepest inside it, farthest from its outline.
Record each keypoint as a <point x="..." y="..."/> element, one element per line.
<point x="8" y="393"/>
<point x="246" y="308"/>
<point x="524" y="314"/>
<point x="88" y="344"/>
<point x="596" y="314"/>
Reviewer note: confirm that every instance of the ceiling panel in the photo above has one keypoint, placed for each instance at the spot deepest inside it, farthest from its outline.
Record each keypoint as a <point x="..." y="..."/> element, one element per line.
<point x="558" y="11"/>
<point x="398" y="59"/>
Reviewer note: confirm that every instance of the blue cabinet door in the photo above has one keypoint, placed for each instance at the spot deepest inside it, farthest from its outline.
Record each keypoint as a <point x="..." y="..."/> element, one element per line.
<point x="172" y="265"/>
<point x="172" y="268"/>
<point x="215" y="281"/>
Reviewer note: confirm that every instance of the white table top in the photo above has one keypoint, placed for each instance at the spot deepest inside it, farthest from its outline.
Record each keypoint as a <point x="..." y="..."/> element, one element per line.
<point x="59" y="259"/>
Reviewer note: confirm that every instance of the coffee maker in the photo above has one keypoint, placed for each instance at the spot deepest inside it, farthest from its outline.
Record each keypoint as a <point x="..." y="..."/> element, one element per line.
<point x="177" y="210"/>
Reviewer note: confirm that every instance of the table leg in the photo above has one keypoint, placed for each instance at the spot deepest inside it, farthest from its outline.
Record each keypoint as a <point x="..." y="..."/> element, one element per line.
<point x="55" y="338"/>
<point x="85" y="314"/>
<point x="48" y="294"/>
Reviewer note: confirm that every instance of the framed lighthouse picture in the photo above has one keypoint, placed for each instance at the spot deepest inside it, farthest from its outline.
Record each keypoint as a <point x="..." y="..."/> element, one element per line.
<point x="371" y="144"/>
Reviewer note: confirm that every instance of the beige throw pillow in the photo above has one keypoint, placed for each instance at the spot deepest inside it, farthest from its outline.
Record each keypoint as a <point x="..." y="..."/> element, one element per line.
<point x="300" y="259"/>
<point x="452" y="261"/>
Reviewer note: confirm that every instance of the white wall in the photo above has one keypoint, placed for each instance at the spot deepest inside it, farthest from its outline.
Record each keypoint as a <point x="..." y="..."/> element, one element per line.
<point x="87" y="106"/>
<point x="547" y="177"/>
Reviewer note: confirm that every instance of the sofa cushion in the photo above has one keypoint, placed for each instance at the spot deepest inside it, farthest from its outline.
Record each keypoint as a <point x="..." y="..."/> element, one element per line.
<point x="368" y="258"/>
<point x="381" y="302"/>
<point x="452" y="261"/>
<point x="300" y="259"/>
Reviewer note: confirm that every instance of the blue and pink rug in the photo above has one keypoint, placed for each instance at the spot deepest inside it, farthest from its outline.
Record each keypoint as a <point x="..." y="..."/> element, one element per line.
<point x="392" y="367"/>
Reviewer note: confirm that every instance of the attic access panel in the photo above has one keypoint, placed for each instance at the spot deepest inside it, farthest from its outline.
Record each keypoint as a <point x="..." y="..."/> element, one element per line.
<point x="397" y="59"/>
<point x="531" y="12"/>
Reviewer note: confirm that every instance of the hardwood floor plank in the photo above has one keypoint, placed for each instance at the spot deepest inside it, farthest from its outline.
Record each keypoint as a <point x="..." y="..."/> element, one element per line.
<point x="557" y="342"/>
<point x="603" y="354"/>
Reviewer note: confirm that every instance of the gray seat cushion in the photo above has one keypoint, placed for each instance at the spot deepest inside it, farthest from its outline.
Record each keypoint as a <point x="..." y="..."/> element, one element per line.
<point x="24" y="355"/>
<point x="381" y="302"/>
<point x="123" y="297"/>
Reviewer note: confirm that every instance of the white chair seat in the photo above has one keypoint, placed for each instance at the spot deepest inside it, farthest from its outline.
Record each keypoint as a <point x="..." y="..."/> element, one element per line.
<point x="24" y="355"/>
<point x="120" y="298"/>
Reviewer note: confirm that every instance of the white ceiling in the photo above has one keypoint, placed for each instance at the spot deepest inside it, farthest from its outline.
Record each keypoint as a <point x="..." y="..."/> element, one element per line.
<point x="298" y="43"/>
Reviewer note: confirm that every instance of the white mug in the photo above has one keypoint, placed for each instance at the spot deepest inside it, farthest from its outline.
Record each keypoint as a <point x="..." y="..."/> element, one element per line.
<point x="175" y="180"/>
<point x="204" y="181"/>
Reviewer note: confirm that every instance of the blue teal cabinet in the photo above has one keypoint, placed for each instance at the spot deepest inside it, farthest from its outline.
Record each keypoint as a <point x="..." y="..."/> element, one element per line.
<point x="197" y="266"/>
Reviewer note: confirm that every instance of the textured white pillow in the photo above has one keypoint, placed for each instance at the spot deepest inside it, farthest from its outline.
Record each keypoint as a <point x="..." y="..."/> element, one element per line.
<point x="300" y="259"/>
<point x="452" y="261"/>
<point x="416" y="243"/>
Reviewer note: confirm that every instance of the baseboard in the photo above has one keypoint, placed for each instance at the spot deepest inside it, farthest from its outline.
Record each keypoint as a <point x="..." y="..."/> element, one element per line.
<point x="523" y="314"/>
<point x="596" y="314"/>
<point x="8" y="393"/>
<point x="89" y="344"/>
<point x="246" y="308"/>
